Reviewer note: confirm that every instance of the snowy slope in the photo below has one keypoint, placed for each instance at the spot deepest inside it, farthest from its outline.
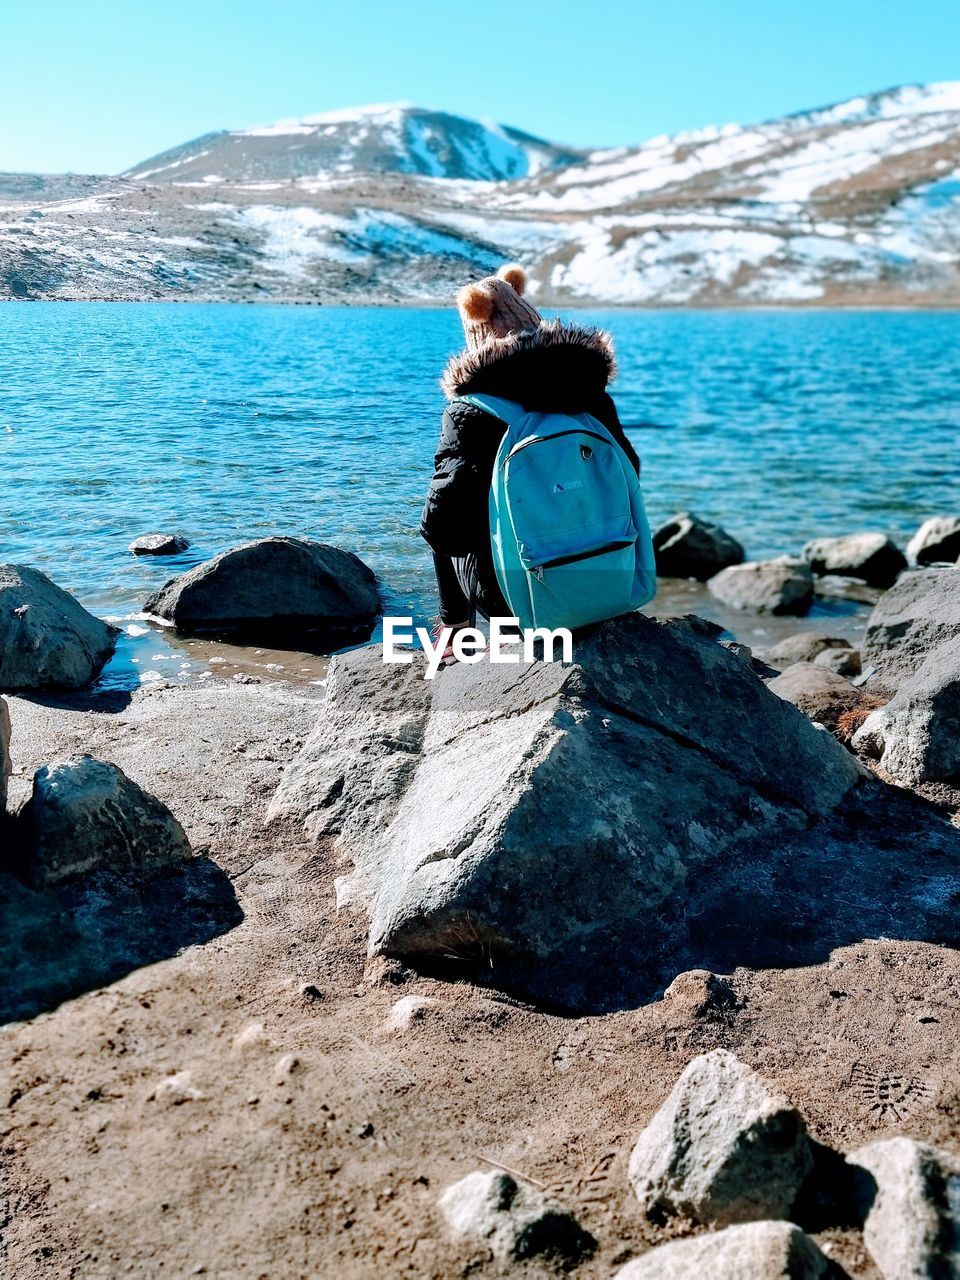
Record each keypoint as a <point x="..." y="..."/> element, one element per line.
<point x="389" y="138"/>
<point x="852" y="204"/>
<point x="787" y="160"/>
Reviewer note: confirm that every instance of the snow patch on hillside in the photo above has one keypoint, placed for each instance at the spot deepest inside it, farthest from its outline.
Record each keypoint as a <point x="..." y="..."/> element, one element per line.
<point x="671" y="266"/>
<point x="296" y="239"/>
<point x="314" y="123"/>
<point x="838" y="158"/>
<point x="912" y="100"/>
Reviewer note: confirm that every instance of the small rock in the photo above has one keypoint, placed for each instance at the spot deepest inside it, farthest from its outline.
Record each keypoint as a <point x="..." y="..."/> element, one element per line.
<point x="917" y="734"/>
<point x="385" y="971"/>
<point x="158" y="544"/>
<point x="407" y="1011"/>
<point x="781" y="586"/>
<point x="805" y="646"/>
<point x="910" y="620"/>
<point x="86" y="815"/>
<point x="311" y="993"/>
<point x="698" y="992"/>
<point x="872" y="557"/>
<point x="911" y="1200"/>
<point x="285" y="1067"/>
<point x="688" y="547"/>
<point x="287" y="591"/>
<point x="47" y="639"/>
<point x="515" y="1221"/>
<point x="723" y="1148"/>
<point x="244" y="677"/>
<point x="5" y="765"/>
<point x="845" y="662"/>
<point x="819" y="693"/>
<point x="937" y="541"/>
<point x="176" y="1089"/>
<point x="753" y="1251"/>
<point x="252" y="1036"/>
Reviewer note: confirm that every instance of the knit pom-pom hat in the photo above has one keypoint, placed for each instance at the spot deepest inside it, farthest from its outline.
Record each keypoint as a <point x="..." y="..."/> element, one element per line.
<point x="495" y="307"/>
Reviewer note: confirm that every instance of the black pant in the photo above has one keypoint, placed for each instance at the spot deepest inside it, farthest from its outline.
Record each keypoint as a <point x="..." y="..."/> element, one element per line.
<point x="466" y="590"/>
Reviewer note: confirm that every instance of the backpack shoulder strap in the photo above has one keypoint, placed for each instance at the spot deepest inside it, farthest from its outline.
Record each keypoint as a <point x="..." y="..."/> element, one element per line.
<point x="507" y="411"/>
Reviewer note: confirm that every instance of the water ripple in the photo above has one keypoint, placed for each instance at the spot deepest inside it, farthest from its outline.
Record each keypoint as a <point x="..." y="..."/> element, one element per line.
<point x="229" y="422"/>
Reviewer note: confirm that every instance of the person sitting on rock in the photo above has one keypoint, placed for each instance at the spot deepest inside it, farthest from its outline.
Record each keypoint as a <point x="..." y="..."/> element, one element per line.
<point x="548" y="366"/>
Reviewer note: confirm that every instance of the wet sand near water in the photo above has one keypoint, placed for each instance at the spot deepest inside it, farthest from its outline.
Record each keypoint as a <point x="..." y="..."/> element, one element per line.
<point x="150" y="654"/>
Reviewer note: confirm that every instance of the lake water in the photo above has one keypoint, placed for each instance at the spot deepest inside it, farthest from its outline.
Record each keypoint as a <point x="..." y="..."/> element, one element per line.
<point x="226" y="423"/>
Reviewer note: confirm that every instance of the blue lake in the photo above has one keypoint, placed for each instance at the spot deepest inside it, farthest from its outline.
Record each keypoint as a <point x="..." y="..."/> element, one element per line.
<point x="226" y="423"/>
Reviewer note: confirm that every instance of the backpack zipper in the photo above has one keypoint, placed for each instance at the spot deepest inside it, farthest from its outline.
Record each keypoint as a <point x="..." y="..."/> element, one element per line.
<point x="619" y="545"/>
<point x="525" y="444"/>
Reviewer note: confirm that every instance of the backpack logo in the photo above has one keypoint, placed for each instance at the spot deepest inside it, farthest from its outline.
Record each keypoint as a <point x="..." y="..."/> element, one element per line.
<point x="567" y="486"/>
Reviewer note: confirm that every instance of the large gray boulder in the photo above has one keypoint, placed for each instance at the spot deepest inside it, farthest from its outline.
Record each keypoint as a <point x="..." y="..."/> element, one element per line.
<point x="780" y="586"/>
<point x="910" y="620"/>
<point x="751" y="1251"/>
<point x="723" y="1148"/>
<point x="872" y="557"/>
<point x="937" y="541"/>
<point x="688" y="547"/>
<point x="917" y="734"/>
<point x="86" y="815"/>
<point x="4" y="754"/>
<point x="47" y="639"/>
<point x="545" y="811"/>
<point x="290" y="592"/>
<point x="911" y="1194"/>
<point x="513" y="1220"/>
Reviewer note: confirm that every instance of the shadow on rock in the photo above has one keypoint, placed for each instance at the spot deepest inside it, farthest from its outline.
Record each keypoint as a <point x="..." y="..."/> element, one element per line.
<point x="107" y="699"/>
<point x="835" y="1194"/>
<point x="888" y="866"/>
<point x="578" y="833"/>
<point x="59" y="942"/>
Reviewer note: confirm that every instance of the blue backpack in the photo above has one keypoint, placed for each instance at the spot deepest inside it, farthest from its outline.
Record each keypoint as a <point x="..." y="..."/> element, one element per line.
<point x="569" y="534"/>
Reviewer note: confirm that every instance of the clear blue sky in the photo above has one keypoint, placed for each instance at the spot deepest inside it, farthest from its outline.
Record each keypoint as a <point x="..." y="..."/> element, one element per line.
<point x="98" y="85"/>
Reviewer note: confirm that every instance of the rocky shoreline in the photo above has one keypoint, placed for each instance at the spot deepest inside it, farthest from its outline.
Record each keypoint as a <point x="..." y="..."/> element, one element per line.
<point x="382" y="933"/>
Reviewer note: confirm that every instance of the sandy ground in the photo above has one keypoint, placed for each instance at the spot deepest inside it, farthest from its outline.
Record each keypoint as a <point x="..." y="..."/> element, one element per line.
<point x="302" y="1136"/>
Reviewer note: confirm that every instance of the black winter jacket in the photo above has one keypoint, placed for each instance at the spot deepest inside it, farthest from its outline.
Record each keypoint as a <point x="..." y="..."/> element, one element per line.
<point x="559" y="368"/>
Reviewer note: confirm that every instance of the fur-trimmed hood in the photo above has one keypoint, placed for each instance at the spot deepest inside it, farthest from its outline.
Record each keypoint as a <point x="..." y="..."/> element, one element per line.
<point x="556" y="366"/>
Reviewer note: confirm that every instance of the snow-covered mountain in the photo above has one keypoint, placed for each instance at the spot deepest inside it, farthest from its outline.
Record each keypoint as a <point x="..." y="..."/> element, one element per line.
<point x="395" y="137"/>
<point x="852" y="204"/>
